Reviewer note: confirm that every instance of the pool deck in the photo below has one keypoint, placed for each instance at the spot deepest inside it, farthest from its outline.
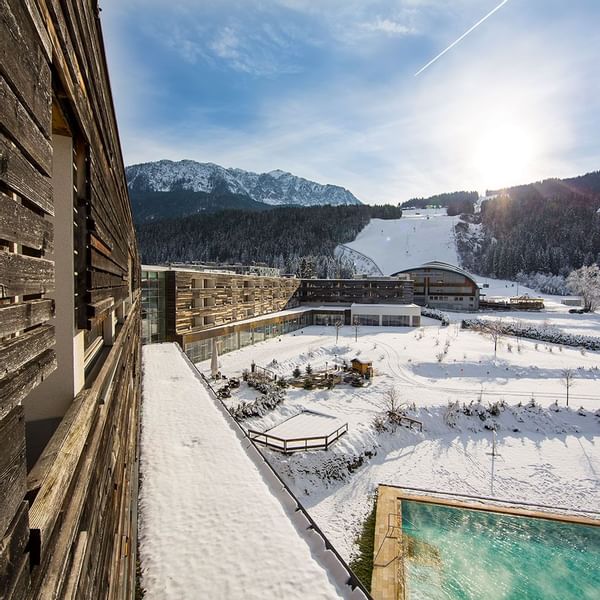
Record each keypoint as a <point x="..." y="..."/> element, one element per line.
<point x="387" y="581"/>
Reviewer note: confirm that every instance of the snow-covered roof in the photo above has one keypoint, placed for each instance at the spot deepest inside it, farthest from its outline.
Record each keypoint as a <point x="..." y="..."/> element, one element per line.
<point x="443" y="266"/>
<point x="363" y="361"/>
<point x="215" y="521"/>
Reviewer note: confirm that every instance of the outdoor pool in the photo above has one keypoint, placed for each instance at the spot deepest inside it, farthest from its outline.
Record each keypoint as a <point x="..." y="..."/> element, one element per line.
<point x="454" y="553"/>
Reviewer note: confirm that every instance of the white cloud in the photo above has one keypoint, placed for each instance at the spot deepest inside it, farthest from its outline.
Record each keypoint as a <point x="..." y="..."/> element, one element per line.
<point x="389" y="27"/>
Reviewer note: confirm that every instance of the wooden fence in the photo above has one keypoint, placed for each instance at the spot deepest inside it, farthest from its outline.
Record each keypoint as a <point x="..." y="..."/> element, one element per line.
<point x="288" y="445"/>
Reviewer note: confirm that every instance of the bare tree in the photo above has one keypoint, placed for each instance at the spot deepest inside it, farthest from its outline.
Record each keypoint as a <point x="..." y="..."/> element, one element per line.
<point x="568" y="380"/>
<point x="393" y="406"/>
<point x="338" y="326"/>
<point x="356" y="323"/>
<point x="494" y="330"/>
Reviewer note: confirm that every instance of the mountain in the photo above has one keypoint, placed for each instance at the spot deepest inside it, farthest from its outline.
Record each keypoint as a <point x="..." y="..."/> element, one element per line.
<point x="275" y="188"/>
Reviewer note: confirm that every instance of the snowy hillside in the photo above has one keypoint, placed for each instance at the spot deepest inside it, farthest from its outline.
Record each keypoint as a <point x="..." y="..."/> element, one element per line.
<point x="416" y="238"/>
<point x="274" y="188"/>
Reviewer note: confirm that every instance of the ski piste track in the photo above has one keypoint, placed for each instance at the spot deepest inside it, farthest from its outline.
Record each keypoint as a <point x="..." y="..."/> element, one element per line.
<point x="343" y="249"/>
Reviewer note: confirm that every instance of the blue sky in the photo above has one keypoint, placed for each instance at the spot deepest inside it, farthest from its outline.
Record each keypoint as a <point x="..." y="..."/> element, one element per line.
<point x="327" y="89"/>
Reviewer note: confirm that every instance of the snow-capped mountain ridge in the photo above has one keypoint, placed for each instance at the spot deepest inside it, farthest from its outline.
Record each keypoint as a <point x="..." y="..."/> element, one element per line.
<point x="275" y="187"/>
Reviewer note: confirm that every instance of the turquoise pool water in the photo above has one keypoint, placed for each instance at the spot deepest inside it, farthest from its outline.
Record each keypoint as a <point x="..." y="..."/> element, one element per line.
<point x="460" y="554"/>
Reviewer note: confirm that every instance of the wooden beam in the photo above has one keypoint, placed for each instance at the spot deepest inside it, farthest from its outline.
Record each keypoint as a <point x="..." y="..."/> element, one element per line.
<point x="23" y="226"/>
<point x="22" y="177"/>
<point x="14" y="388"/>
<point x="20" y="275"/>
<point x="24" y="62"/>
<point x="18" y="317"/>
<point x="17" y="351"/>
<point x="13" y="469"/>
<point x="24" y="131"/>
<point x="13" y="545"/>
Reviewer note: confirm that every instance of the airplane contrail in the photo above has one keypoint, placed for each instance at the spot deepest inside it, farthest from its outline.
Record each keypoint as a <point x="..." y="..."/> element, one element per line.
<point x="464" y="35"/>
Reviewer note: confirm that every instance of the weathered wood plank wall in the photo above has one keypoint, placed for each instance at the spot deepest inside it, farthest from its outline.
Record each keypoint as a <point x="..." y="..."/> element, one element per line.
<point x="203" y="300"/>
<point x="67" y="529"/>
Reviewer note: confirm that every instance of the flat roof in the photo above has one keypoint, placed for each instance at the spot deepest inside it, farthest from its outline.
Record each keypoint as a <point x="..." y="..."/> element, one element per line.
<point x="223" y="270"/>
<point x="385" y="304"/>
<point x="215" y="522"/>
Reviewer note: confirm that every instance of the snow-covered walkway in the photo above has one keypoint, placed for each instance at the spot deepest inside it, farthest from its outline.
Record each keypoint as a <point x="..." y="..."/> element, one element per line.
<point x="213" y="523"/>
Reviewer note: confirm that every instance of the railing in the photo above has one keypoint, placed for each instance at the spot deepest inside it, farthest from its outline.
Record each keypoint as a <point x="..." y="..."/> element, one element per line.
<point x="294" y="444"/>
<point x="265" y="372"/>
<point x="442" y="493"/>
<point x="411" y="422"/>
<point x="353" y="581"/>
<point x="348" y="250"/>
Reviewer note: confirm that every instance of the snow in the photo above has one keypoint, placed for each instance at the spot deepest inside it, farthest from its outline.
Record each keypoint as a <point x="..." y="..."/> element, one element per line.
<point x="212" y="524"/>
<point x="548" y="454"/>
<point x="418" y="237"/>
<point x="307" y="424"/>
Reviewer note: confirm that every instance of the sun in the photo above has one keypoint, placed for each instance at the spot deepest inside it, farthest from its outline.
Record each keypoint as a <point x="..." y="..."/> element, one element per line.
<point x="503" y="154"/>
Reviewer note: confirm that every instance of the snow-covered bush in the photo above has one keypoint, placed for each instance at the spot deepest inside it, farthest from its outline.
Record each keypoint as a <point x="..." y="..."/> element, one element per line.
<point x="438" y="315"/>
<point x="258" y="407"/>
<point x="540" y="333"/>
<point x="544" y="282"/>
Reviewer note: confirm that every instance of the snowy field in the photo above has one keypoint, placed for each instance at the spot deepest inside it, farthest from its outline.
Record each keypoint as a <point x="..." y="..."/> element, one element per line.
<point x="452" y="382"/>
<point x="414" y="239"/>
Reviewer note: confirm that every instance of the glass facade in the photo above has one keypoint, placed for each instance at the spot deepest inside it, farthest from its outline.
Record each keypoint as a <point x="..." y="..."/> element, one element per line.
<point x="251" y="334"/>
<point x="367" y="319"/>
<point x="395" y="320"/>
<point x="154" y="318"/>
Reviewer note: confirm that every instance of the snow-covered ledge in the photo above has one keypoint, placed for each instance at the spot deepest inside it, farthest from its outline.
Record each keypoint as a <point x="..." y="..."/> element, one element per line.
<point x="215" y="520"/>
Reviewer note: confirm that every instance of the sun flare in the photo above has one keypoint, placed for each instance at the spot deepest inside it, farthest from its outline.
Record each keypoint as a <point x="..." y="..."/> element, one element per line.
<point x="503" y="154"/>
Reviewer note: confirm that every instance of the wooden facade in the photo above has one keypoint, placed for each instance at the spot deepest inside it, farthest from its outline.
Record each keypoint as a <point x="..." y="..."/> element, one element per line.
<point x="197" y="301"/>
<point x="370" y="290"/>
<point x="69" y="313"/>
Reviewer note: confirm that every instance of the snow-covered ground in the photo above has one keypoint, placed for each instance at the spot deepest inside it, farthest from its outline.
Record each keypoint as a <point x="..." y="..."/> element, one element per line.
<point x="416" y="238"/>
<point x="548" y="454"/>
<point x="213" y="523"/>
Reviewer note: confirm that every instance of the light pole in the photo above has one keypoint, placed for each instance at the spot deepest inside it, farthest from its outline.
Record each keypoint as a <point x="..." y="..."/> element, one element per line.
<point x="356" y="329"/>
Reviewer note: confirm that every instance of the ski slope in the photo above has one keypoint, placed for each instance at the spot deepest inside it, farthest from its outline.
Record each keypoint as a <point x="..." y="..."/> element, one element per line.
<point x="416" y="238"/>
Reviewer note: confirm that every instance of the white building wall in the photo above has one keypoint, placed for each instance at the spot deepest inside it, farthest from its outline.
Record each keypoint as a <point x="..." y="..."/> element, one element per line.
<point x="379" y="310"/>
